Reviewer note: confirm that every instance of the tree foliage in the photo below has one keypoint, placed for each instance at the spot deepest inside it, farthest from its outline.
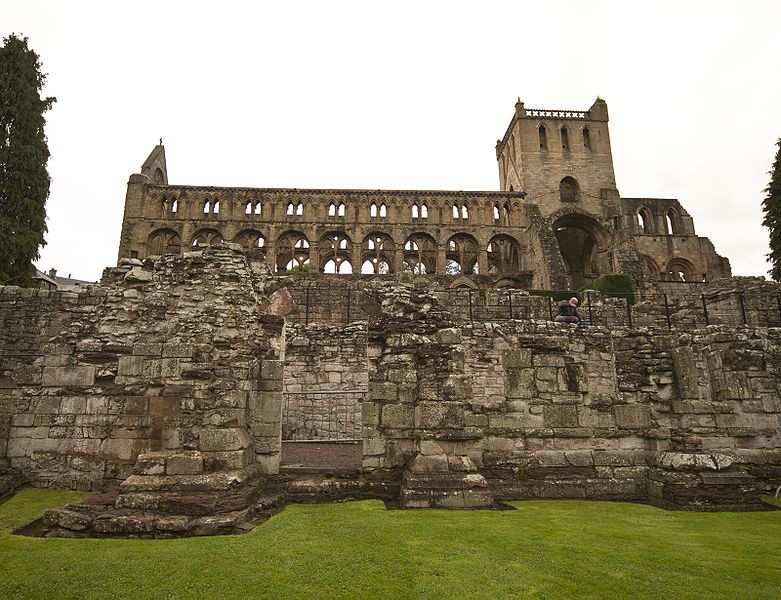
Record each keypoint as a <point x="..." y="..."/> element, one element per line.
<point x="771" y="207"/>
<point x="24" y="180"/>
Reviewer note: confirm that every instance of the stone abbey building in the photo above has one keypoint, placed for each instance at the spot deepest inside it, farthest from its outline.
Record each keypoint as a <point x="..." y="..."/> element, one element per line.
<point x="557" y="223"/>
<point x="180" y="383"/>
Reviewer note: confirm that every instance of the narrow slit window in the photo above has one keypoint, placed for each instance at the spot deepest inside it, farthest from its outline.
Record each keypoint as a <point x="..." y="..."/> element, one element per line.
<point x="587" y="139"/>
<point x="565" y="139"/>
<point x="543" y="133"/>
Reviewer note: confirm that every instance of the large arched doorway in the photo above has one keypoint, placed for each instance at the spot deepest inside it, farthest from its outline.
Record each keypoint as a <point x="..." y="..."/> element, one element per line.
<point x="580" y="240"/>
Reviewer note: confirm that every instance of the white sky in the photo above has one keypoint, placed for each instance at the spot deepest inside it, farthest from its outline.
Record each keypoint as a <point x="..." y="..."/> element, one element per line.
<point x="399" y="95"/>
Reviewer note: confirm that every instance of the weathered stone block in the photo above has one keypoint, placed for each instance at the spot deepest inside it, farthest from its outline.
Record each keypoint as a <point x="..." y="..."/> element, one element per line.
<point x="272" y="370"/>
<point x="232" y="438"/>
<point x="68" y="376"/>
<point x="131" y="366"/>
<point x="370" y="414"/>
<point x="632" y="416"/>
<point x="184" y="463"/>
<point x="398" y="416"/>
<point x="560" y="416"/>
<point x="439" y="415"/>
<point x="516" y="358"/>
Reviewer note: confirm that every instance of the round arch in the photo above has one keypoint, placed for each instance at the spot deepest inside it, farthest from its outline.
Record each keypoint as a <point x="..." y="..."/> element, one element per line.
<point x="163" y="241"/>
<point x="461" y="255"/>
<point x="581" y="241"/>
<point x="377" y="249"/>
<point x="504" y="255"/>
<point x="335" y="252"/>
<point x="681" y="269"/>
<point x="420" y="254"/>
<point x="292" y="251"/>
<point x="207" y="237"/>
<point x="250" y="238"/>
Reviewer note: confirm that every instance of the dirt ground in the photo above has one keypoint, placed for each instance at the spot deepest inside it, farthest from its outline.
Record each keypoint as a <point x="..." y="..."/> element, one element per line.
<point x="322" y="455"/>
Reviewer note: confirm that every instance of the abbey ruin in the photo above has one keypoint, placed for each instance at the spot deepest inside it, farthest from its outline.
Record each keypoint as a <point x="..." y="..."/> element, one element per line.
<point x="408" y="326"/>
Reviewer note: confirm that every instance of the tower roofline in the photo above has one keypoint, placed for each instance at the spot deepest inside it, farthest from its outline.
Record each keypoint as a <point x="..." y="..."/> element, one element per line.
<point x="597" y="112"/>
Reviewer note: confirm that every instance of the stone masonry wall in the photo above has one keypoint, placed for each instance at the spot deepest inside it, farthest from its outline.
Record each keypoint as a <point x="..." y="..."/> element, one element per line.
<point x="549" y="410"/>
<point x="177" y="355"/>
<point x="325" y="378"/>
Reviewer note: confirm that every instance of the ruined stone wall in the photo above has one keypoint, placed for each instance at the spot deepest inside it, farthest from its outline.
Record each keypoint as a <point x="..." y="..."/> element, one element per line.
<point x="179" y="355"/>
<point x="326" y="376"/>
<point x="540" y="409"/>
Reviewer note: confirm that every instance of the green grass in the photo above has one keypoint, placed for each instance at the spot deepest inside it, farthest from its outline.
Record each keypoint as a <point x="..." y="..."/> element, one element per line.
<point x="554" y="549"/>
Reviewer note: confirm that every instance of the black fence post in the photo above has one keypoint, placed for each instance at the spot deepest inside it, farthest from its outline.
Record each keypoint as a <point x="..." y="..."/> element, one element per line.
<point x="667" y="313"/>
<point x="629" y="311"/>
<point x="306" y="312"/>
<point x="550" y="307"/>
<point x="590" y="315"/>
<point x="742" y="308"/>
<point x="469" y="292"/>
<point x="705" y="309"/>
<point x="348" y="306"/>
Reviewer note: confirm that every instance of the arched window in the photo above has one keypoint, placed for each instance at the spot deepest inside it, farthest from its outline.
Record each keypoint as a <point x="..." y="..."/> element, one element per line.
<point x="415" y="211"/>
<point x="644" y="220"/>
<point x="587" y="139"/>
<point x="373" y="210"/>
<point x="496" y="212"/>
<point x="248" y="208"/>
<point x="216" y="207"/>
<point x="383" y="211"/>
<point x="163" y="241"/>
<point x="158" y="176"/>
<point x="504" y="255"/>
<point x="569" y="190"/>
<point x="672" y="222"/>
<point x="423" y="211"/>
<point x="290" y="208"/>
<point x="543" y="133"/>
<point x="564" y="138"/>
<point x="456" y="214"/>
<point x="332" y="210"/>
<point x="207" y="237"/>
<point x="300" y="209"/>
<point x="340" y="210"/>
<point x="174" y="206"/>
<point x="258" y="208"/>
<point x="464" y="212"/>
<point x="206" y="207"/>
<point x="249" y="238"/>
<point x="292" y="251"/>
<point x="461" y="254"/>
<point x="420" y="254"/>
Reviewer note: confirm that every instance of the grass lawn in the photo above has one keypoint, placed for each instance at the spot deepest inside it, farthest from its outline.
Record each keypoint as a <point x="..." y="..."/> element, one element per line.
<point x="554" y="549"/>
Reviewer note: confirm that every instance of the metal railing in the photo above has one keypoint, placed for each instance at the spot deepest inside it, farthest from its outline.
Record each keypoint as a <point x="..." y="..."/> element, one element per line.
<point x="316" y="416"/>
<point x="339" y="306"/>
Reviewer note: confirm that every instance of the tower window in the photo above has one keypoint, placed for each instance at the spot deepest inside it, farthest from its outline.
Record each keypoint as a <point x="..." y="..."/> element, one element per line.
<point x="543" y="133"/>
<point x="569" y="190"/>
<point x="587" y="139"/>
<point x="565" y="138"/>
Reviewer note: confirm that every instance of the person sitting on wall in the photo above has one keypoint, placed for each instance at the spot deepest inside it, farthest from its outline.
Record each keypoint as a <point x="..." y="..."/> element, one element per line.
<point x="568" y="311"/>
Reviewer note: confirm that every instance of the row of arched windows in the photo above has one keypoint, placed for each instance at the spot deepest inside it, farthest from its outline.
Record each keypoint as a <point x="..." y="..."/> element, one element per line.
<point x="418" y="210"/>
<point x="542" y="132"/>
<point x="672" y="221"/>
<point x="377" y="253"/>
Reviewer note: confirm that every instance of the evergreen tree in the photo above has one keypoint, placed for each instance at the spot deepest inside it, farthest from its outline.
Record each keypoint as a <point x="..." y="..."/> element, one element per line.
<point x="24" y="181"/>
<point x="771" y="207"/>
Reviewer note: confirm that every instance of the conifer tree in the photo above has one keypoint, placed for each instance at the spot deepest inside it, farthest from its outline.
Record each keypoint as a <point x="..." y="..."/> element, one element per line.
<point x="24" y="180"/>
<point x="771" y="207"/>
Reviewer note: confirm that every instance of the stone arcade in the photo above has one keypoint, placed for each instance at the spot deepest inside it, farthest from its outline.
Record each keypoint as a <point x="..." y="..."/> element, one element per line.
<point x="164" y="385"/>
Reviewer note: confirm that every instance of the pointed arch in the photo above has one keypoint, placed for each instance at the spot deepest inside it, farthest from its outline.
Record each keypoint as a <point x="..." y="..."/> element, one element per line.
<point x="461" y="255"/>
<point x="377" y="251"/>
<point x="504" y="255"/>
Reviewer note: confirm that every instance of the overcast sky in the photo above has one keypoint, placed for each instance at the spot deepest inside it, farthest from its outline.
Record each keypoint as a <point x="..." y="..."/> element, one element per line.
<point x="399" y="95"/>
